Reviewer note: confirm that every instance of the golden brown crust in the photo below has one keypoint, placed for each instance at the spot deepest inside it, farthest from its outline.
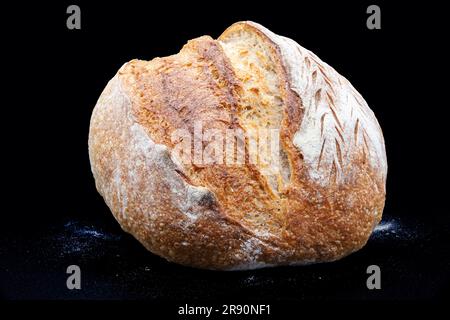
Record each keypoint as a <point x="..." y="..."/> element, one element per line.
<point x="219" y="216"/>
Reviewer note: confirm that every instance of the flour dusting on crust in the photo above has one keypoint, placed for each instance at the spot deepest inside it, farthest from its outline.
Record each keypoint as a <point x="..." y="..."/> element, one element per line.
<point x="337" y="122"/>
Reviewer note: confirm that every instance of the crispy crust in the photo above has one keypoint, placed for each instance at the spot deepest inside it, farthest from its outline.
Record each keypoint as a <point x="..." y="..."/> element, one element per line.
<point x="222" y="217"/>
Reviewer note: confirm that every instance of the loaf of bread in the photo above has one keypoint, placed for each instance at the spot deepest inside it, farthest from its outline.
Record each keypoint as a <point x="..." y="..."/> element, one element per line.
<point x="316" y="198"/>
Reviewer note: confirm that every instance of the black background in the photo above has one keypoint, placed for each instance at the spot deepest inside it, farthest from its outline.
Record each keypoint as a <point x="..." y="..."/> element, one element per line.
<point x="53" y="216"/>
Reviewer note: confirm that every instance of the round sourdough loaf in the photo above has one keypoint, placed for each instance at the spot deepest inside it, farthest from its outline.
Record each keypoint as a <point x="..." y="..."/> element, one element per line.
<point x="318" y="203"/>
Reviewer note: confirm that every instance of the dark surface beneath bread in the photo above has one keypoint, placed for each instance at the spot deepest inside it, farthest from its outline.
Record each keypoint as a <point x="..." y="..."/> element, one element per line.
<point x="413" y="259"/>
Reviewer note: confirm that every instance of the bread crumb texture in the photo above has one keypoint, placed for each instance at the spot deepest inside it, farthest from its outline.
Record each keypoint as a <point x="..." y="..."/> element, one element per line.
<point x="319" y="203"/>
